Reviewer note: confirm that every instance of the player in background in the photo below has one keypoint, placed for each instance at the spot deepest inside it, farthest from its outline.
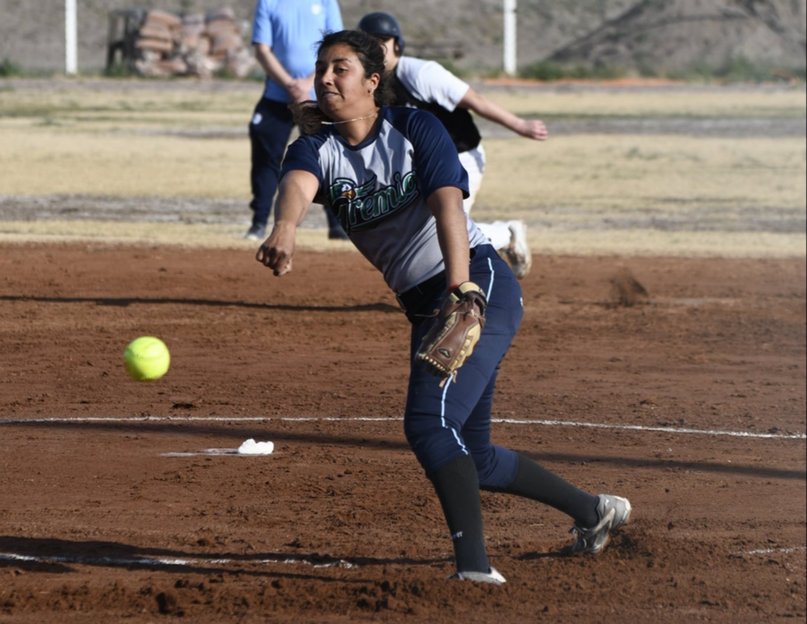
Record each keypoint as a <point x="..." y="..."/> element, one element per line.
<point x="429" y="85"/>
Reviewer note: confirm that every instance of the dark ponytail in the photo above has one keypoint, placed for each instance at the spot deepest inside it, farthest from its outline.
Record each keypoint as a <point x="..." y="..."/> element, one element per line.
<point x="308" y="116"/>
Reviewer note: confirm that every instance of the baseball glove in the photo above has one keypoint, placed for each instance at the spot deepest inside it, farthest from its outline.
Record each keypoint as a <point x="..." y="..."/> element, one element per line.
<point x="455" y="332"/>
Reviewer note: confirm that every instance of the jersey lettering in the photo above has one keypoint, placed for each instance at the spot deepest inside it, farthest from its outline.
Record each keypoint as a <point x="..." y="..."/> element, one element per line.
<point x="360" y="208"/>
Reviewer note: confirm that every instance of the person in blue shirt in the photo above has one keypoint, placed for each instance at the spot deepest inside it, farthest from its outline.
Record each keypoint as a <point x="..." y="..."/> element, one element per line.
<point x="285" y="36"/>
<point x="393" y="177"/>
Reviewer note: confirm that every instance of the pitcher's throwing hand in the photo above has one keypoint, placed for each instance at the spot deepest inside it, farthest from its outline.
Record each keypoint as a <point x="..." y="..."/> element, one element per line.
<point x="274" y="255"/>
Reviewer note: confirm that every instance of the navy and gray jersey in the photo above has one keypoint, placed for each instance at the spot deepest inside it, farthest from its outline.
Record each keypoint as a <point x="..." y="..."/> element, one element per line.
<point x="430" y="86"/>
<point x="378" y="190"/>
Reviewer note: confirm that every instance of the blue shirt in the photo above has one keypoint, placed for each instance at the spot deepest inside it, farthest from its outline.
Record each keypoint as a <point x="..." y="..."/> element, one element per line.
<point x="379" y="188"/>
<point x="293" y="29"/>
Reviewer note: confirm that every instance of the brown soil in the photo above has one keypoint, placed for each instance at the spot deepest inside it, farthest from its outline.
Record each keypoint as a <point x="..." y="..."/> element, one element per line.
<point x="664" y="397"/>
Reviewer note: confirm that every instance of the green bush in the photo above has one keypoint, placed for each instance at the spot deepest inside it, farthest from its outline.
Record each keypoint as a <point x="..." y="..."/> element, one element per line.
<point x="118" y="70"/>
<point x="9" y="68"/>
<point x="548" y="71"/>
<point x="739" y="69"/>
<point x="735" y="70"/>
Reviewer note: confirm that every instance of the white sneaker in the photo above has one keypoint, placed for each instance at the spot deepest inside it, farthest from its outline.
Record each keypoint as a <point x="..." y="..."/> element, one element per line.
<point x="613" y="512"/>
<point x="492" y="577"/>
<point x="518" y="253"/>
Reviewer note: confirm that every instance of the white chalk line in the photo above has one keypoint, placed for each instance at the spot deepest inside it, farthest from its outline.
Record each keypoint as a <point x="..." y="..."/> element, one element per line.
<point x="225" y="562"/>
<point x="176" y="562"/>
<point x="508" y="421"/>
<point x="777" y="551"/>
<point x="212" y="452"/>
<point x="660" y="429"/>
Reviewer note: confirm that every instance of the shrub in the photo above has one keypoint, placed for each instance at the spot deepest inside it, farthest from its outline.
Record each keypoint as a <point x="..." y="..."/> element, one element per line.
<point x="9" y="68"/>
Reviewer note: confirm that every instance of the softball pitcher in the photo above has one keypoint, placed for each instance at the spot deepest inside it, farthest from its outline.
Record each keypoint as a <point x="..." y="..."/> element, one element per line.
<point x="393" y="178"/>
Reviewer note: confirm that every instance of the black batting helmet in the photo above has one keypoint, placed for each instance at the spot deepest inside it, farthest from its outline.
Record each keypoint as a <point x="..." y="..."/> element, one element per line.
<point x="383" y="25"/>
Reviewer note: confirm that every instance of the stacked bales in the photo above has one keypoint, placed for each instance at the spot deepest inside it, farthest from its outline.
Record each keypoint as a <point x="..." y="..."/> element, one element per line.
<point x="167" y="44"/>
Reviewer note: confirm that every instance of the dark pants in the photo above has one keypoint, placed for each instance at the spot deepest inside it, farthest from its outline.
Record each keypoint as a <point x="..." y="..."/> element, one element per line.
<point x="269" y="132"/>
<point x="443" y="423"/>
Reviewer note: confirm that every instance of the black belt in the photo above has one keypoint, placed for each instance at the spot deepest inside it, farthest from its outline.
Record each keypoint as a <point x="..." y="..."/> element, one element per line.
<point x="418" y="296"/>
<point x="415" y="299"/>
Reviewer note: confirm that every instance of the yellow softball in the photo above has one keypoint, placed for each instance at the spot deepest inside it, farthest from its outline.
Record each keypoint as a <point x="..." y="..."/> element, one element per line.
<point x="146" y="358"/>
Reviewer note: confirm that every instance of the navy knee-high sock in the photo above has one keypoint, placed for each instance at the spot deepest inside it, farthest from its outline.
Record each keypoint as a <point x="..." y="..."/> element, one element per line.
<point x="457" y="487"/>
<point x="537" y="483"/>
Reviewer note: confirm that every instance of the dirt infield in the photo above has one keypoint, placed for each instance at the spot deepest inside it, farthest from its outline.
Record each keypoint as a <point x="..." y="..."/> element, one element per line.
<point x="125" y="501"/>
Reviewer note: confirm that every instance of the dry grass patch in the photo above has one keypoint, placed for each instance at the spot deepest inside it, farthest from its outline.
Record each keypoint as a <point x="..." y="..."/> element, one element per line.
<point x="685" y="101"/>
<point x="215" y="236"/>
<point x="621" y="193"/>
<point x="45" y="161"/>
<point x="621" y="174"/>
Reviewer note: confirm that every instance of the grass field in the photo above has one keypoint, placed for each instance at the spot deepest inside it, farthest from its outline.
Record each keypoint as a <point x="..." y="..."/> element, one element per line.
<point x="677" y="169"/>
